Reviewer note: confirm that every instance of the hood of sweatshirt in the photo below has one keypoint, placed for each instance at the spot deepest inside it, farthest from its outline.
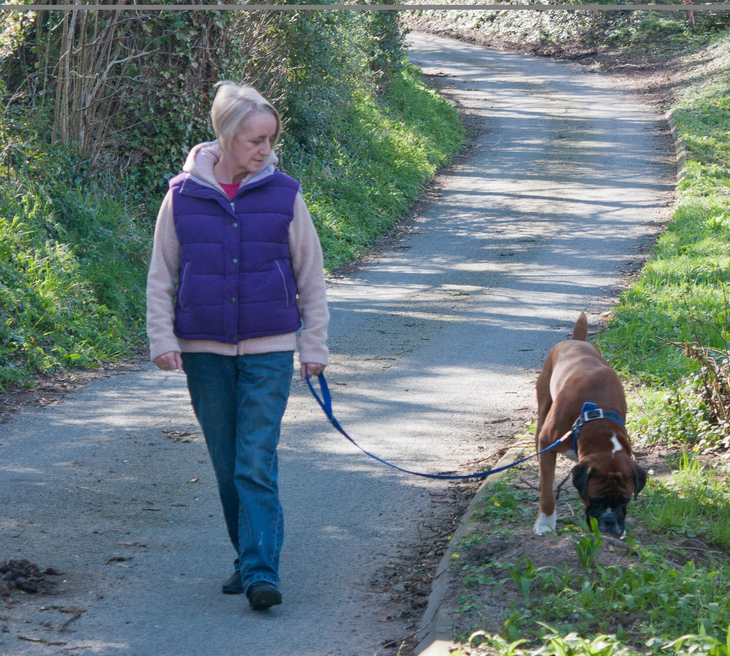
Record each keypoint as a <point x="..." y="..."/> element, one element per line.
<point x="203" y="157"/>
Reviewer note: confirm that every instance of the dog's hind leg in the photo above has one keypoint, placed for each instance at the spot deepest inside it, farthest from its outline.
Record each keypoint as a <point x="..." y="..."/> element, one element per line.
<point x="544" y="399"/>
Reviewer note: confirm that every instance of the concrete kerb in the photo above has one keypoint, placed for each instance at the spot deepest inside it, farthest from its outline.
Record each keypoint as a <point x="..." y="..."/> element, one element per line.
<point x="436" y="624"/>
<point x="679" y="146"/>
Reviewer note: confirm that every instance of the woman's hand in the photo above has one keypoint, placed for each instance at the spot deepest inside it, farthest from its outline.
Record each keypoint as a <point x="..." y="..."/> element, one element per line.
<point x="311" y="368"/>
<point x="170" y="361"/>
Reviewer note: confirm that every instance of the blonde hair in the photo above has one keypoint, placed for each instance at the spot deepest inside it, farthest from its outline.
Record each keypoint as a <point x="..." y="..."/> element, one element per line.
<point x="231" y="105"/>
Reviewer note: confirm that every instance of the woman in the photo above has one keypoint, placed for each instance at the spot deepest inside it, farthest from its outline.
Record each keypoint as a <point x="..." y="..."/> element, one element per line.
<point x="235" y="282"/>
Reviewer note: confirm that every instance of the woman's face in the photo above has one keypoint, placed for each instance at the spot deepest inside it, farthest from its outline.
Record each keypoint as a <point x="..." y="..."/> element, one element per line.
<point x="253" y="144"/>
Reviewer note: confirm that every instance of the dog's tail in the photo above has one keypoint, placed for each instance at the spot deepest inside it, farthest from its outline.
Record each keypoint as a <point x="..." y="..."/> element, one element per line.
<point x="580" y="331"/>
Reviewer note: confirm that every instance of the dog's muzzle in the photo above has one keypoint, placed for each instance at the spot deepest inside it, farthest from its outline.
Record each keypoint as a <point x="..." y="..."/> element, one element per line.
<point x="610" y="520"/>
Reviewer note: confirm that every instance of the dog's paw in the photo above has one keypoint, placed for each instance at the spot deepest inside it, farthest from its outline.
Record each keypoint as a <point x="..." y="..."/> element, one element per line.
<point x="544" y="524"/>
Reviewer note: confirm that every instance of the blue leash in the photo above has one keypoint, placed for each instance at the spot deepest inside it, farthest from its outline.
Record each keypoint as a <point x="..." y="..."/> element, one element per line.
<point x="326" y="404"/>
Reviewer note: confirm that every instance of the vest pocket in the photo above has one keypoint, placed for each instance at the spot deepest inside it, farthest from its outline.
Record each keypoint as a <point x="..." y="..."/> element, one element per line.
<point x="283" y="282"/>
<point x="180" y="286"/>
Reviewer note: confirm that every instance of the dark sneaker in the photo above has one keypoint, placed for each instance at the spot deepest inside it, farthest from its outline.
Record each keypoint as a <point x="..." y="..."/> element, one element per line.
<point x="233" y="585"/>
<point x="262" y="595"/>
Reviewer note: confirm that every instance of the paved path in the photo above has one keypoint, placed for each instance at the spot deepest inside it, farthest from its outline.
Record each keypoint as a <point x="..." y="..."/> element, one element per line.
<point x="113" y="486"/>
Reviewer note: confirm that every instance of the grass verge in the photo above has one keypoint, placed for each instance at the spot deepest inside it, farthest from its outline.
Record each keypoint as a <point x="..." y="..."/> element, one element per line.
<point x="72" y="272"/>
<point x="680" y="303"/>
<point x="359" y="185"/>
<point x="664" y="589"/>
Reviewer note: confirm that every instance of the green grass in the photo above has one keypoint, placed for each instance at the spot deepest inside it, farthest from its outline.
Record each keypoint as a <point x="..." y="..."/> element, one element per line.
<point x="682" y="295"/>
<point x="72" y="276"/>
<point x="360" y="184"/>
<point x="694" y="502"/>
<point x="689" y="268"/>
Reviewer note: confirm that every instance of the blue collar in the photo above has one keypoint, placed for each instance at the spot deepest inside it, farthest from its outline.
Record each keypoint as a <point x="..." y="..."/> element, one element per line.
<point x="589" y="412"/>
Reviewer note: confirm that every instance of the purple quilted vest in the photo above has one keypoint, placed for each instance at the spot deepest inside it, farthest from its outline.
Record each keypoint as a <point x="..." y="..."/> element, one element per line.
<point x="236" y="279"/>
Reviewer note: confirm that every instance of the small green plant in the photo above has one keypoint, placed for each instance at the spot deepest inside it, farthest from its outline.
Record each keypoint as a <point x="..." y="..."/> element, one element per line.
<point x="588" y="545"/>
<point x="573" y="645"/>
<point x="479" y="575"/>
<point x="700" y="644"/>
<point x="523" y="577"/>
<point x="555" y="644"/>
<point x="504" y="504"/>
<point x="503" y="646"/>
<point x="514" y="625"/>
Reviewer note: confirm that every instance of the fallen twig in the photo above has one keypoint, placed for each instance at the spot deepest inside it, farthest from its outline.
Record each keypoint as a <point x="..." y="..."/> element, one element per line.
<point x="64" y="626"/>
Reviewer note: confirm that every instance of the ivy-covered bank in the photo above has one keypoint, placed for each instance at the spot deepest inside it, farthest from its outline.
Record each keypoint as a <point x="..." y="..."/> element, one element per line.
<point x="84" y="167"/>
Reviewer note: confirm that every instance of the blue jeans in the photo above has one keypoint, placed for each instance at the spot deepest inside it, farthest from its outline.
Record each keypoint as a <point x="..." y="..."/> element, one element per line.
<point x="239" y="402"/>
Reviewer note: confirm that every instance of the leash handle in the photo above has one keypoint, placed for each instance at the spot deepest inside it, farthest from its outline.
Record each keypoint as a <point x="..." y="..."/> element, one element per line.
<point x="326" y="404"/>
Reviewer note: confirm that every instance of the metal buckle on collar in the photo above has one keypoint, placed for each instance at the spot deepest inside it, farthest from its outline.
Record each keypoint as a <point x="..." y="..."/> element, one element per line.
<point x="587" y="416"/>
<point x="593" y="414"/>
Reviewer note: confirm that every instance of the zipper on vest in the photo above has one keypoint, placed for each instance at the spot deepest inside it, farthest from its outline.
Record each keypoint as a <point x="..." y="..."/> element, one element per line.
<point x="283" y="280"/>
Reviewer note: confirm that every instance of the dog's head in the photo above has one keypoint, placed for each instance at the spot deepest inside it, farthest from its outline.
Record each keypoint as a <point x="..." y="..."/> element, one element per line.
<point x="606" y="485"/>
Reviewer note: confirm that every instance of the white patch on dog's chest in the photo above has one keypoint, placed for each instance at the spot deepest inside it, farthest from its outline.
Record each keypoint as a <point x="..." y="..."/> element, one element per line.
<point x="616" y="445"/>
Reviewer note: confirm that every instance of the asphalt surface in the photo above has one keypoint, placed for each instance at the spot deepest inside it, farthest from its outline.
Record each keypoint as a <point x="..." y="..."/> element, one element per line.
<point x="113" y="487"/>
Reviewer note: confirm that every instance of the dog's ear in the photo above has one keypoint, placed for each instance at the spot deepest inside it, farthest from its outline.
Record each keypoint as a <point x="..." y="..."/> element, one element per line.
<point x="639" y="479"/>
<point x="581" y="475"/>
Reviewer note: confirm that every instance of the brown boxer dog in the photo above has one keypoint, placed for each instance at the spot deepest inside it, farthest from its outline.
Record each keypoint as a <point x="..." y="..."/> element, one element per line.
<point x="606" y="476"/>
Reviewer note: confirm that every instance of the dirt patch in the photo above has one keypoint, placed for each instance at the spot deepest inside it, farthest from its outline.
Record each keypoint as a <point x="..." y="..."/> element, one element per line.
<point x="504" y="598"/>
<point x="23" y="576"/>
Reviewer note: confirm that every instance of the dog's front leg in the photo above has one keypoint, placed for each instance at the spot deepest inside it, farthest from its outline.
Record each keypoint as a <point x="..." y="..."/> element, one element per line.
<point x="545" y="522"/>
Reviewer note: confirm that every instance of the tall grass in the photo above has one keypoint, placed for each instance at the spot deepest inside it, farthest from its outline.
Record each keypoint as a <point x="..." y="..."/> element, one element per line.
<point x="359" y="184"/>
<point x="72" y="272"/>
